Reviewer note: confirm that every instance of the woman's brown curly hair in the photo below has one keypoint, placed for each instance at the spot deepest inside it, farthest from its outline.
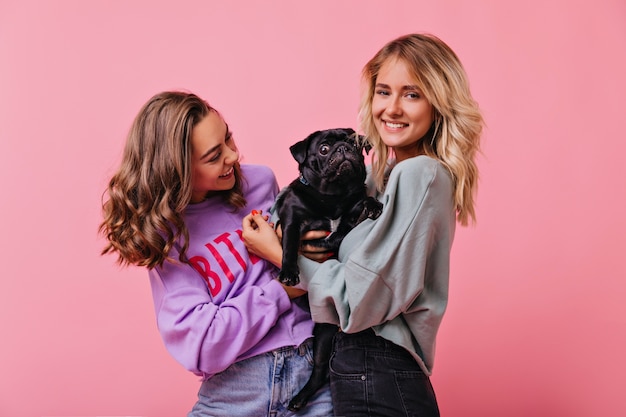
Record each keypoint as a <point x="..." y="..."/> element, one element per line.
<point x="143" y="215"/>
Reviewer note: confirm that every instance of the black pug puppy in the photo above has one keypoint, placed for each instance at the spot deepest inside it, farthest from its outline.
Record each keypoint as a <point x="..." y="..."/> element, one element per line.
<point x="330" y="194"/>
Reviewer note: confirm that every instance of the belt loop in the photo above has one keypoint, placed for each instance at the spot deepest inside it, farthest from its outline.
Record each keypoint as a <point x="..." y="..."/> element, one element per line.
<point x="303" y="347"/>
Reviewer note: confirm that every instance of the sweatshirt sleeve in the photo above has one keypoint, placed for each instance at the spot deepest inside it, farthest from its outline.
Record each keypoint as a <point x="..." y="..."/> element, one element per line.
<point x="400" y="265"/>
<point x="206" y="337"/>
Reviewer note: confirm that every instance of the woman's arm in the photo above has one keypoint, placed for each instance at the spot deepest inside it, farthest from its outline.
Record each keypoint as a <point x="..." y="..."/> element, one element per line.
<point x="385" y="265"/>
<point x="204" y="336"/>
<point x="263" y="241"/>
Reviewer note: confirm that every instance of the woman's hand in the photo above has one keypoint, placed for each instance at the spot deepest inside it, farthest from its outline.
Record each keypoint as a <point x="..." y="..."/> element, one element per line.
<point x="261" y="239"/>
<point x="315" y="253"/>
<point x="293" y="292"/>
<point x="312" y="252"/>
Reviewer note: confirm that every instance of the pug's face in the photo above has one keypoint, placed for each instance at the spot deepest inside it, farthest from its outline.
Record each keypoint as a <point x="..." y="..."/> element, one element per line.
<point x="331" y="160"/>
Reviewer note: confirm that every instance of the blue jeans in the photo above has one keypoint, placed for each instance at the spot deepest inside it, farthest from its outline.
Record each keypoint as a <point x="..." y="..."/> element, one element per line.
<point x="371" y="376"/>
<point x="262" y="386"/>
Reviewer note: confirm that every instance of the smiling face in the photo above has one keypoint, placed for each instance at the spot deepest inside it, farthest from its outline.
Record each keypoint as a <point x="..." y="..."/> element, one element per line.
<point x="401" y="113"/>
<point x="213" y="156"/>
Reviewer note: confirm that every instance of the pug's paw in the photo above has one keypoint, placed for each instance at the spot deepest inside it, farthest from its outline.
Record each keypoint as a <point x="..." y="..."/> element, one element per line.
<point x="372" y="208"/>
<point x="289" y="276"/>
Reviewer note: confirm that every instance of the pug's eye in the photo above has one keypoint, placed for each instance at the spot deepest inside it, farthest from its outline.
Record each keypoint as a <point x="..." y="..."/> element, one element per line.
<point x="324" y="149"/>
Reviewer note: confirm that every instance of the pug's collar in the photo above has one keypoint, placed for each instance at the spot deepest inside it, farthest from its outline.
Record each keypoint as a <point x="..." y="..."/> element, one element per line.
<point x="303" y="180"/>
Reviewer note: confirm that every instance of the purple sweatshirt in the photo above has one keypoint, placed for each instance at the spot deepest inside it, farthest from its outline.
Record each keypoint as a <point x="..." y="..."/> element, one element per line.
<point x="226" y="306"/>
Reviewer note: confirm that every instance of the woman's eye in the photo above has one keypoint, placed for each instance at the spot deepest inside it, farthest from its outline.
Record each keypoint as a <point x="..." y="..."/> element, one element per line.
<point x="215" y="157"/>
<point x="413" y="95"/>
<point x="324" y="149"/>
<point x="382" y="92"/>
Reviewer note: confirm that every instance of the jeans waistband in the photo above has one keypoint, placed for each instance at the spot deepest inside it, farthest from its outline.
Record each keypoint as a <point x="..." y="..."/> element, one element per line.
<point x="366" y="336"/>
<point x="367" y="339"/>
<point x="289" y="350"/>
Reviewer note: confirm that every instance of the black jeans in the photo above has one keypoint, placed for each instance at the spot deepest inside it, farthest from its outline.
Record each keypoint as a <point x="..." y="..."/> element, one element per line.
<point x="371" y="376"/>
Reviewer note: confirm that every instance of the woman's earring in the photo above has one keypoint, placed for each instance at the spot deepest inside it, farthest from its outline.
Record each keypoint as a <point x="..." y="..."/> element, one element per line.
<point x="436" y="125"/>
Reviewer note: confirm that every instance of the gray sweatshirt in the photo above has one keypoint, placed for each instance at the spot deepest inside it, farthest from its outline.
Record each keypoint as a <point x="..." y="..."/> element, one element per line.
<point x="392" y="273"/>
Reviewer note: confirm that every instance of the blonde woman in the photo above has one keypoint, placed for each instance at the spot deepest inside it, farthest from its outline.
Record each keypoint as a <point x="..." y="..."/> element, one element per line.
<point x="388" y="289"/>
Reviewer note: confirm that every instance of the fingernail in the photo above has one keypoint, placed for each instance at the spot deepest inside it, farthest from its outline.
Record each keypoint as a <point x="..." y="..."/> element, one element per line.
<point x="254" y="212"/>
<point x="328" y="233"/>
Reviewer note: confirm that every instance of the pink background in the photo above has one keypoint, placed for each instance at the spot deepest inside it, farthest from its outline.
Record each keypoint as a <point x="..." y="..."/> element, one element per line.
<point x="537" y="318"/>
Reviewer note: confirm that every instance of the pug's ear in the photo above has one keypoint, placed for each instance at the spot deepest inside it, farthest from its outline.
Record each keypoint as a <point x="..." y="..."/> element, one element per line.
<point x="365" y="144"/>
<point x="300" y="149"/>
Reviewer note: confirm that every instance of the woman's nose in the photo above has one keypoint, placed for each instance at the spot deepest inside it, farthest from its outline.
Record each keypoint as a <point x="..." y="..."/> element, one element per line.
<point x="233" y="154"/>
<point x="394" y="107"/>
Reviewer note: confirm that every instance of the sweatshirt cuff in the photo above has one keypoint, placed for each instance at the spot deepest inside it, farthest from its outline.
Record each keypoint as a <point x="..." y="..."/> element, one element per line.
<point x="308" y="268"/>
<point x="274" y="290"/>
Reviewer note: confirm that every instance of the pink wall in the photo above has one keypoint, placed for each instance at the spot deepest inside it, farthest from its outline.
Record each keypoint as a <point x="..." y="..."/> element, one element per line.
<point x="537" y="313"/>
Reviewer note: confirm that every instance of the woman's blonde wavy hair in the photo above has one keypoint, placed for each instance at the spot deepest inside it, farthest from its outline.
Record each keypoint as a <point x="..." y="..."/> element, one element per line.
<point x="458" y="121"/>
<point x="143" y="214"/>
